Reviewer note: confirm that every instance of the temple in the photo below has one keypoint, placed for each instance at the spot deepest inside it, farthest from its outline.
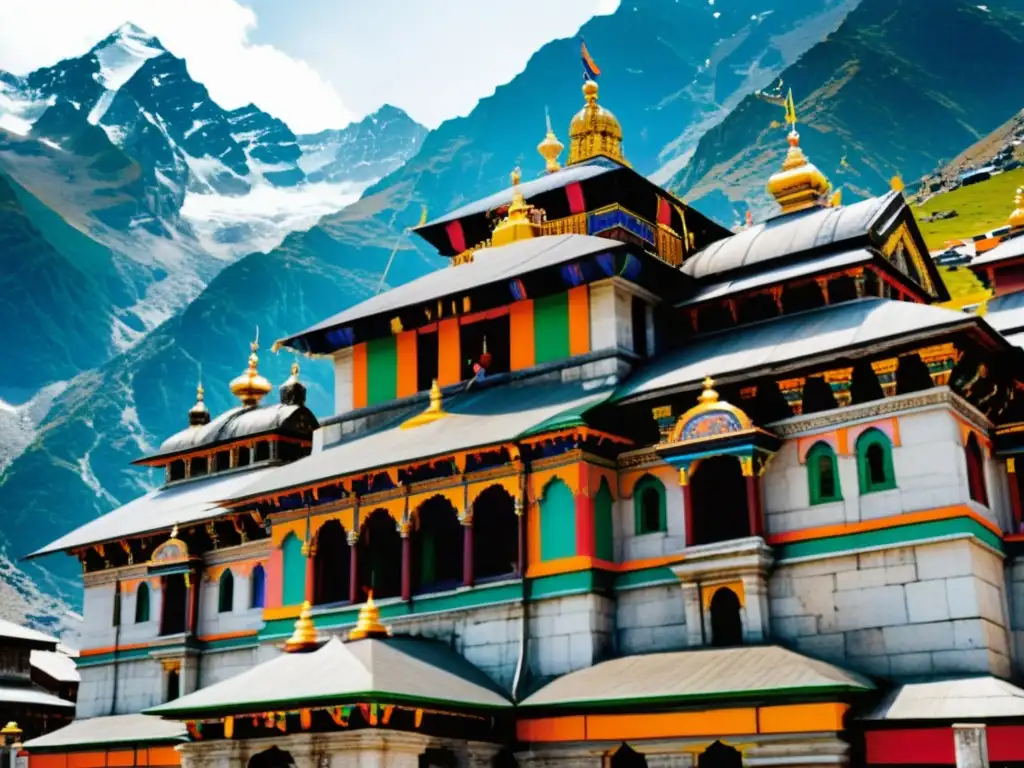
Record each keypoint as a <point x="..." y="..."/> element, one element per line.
<point x="618" y="487"/>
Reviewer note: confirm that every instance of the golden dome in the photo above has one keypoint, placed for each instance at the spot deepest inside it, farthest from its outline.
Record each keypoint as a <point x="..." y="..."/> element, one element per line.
<point x="199" y="414"/>
<point x="708" y="402"/>
<point x="550" y="148"/>
<point x="799" y="185"/>
<point x="251" y="387"/>
<point x="1017" y="217"/>
<point x="368" y="624"/>
<point x="304" y="636"/>
<point x="594" y="131"/>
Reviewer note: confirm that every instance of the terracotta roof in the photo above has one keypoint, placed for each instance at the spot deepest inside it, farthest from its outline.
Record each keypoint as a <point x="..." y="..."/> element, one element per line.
<point x="392" y="669"/>
<point x="713" y="674"/>
<point x="976" y="697"/>
<point x="115" y="729"/>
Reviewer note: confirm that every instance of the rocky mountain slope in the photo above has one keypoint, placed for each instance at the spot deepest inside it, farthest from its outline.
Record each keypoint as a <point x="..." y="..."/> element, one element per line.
<point x="667" y="69"/>
<point x="892" y="91"/>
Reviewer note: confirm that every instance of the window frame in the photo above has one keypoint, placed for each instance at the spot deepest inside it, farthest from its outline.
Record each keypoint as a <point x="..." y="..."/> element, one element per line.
<point x="144" y="603"/>
<point x="226" y="592"/>
<point x="977" y="485"/>
<point x="820" y="450"/>
<point x="649" y="482"/>
<point x="867" y="439"/>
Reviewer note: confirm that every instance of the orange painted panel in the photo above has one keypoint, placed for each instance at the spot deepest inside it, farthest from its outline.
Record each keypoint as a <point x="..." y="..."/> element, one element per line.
<point x="164" y="756"/>
<point x="407" y="374"/>
<point x="121" y="757"/>
<point x="802" y="718"/>
<point x="359" y="376"/>
<point x="552" y="729"/>
<point x="87" y="759"/>
<point x="521" y="335"/>
<point x="47" y="761"/>
<point x="449" y="358"/>
<point x="579" y="320"/>
<point x="716" y="722"/>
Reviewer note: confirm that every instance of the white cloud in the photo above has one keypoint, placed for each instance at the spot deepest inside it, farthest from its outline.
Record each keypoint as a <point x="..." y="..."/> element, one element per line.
<point x="213" y="36"/>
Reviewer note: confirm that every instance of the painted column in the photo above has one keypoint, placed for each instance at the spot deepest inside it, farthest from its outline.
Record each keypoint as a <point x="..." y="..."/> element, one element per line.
<point x="684" y="482"/>
<point x="521" y="533"/>
<point x="753" y="495"/>
<point x="309" y="550"/>
<point x="971" y="745"/>
<point x="353" y="566"/>
<point x="467" y="550"/>
<point x="192" y="602"/>
<point x="1011" y="473"/>
<point x="404" y="531"/>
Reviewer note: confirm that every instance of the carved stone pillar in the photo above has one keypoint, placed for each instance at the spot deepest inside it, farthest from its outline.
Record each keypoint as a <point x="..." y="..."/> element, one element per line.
<point x="694" y="615"/>
<point x="521" y="533"/>
<point x="309" y="551"/>
<point x="467" y="549"/>
<point x="688" y="510"/>
<point x="353" y="566"/>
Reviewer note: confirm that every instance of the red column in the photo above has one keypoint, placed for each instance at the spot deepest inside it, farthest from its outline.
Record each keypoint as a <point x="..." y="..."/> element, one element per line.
<point x="753" y="504"/>
<point x="192" y="608"/>
<point x="521" y="552"/>
<point x="406" y="565"/>
<point x="310" y="572"/>
<point x="467" y="553"/>
<point x="353" y="569"/>
<point x="1011" y="473"/>
<point x="688" y="512"/>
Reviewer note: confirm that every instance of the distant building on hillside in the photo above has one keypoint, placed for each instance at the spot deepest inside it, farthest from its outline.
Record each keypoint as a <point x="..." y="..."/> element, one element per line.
<point x="977" y="174"/>
<point x="30" y="666"/>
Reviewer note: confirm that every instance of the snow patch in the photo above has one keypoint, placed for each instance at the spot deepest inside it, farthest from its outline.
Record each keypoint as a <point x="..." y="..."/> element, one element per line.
<point x="101" y="107"/>
<point x="122" y="58"/>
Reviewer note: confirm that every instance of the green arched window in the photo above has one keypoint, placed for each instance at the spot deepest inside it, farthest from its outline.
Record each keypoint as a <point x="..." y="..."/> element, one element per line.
<point x="293" y="567"/>
<point x="649" y="505"/>
<point x="142" y="603"/>
<point x="604" y="538"/>
<point x="874" y="462"/>
<point x="226" y="592"/>
<point x="823" y="474"/>
<point x="557" y="522"/>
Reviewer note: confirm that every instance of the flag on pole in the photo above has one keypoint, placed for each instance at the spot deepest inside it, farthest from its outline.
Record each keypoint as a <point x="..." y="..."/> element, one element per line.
<point x="790" y="110"/>
<point x="423" y="217"/>
<point x="590" y="69"/>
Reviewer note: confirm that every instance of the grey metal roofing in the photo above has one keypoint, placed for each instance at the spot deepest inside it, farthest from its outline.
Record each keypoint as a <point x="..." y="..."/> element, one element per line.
<point x="1017" y="339"/>
<point x="159" y="510"/>
<point x="970" y="698"/>
<point x="56" y="665"/>
<point x="545" y="183"/>
<point x="791" y="338"/>
<point x="698" y="674"/>
<point x="42" y="641"/>
<point x="787" y="235"/>
<point x="780" y="275"/>
<point x="110" y="730"/>
<point x="489" y="265"/>
<point x="475" y="418"/>
<point x="37" y="697"/>
<point x="230" y="425"/>
<point x="1011" y="248"/>
<point x="410" y="669"/>
<point x="1006" y="313"/>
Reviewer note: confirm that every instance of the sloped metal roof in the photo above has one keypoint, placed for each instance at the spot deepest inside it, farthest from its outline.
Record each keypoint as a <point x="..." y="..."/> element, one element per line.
<point x="700" y="674"/>
<point x="111" y="730"/>
<point x="36" y="697"/>
<point x="39" y="640"/>
<point x="59" y="666"/>
<point x="230" y="425"/>
<point x="968" y="698"/>
<point x="475" y="418"/>
<point x="1006" y="313"/>
<point x="1011" y="248"/>
<point x="791" y="338"/>
<point x="182" y="503"/>
<point x="409" y="669"/>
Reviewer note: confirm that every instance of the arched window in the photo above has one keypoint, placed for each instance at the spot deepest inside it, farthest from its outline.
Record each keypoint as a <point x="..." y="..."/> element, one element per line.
<point x="718" y="497"/>
<point x="557" y="522"/>
<point x="649" y="505"/>
<point x="726" y="624"/>
<point x="874" y="462"/>
<point x="116" y="618"/>
<point x="626" y="757"/>
<point x="380" y="556"/>
<point x="438" y="540"/>
<point x="975" y="470"/>
<point x="495" y="534"/>
<point x="720" y="755"/>
<point x="258" y="587"/>
<point x="331" y="564"/>
<point x="226" y="592"/>
<point x="823" y="474"/>
<point x="604" y="537"/>
<point x="173" y="685"/>
<point x="293" y="566"/>
<point x="142" y="603"/>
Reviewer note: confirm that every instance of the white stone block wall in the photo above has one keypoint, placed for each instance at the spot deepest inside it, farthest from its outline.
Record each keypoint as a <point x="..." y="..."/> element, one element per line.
<point x="930" y="610"/>
<point x="570" y="633"/>
<point x="139" y="684"/>
<point x="1015" y="601"/>
<point x="343" y="386"/>
<point x="98" y="630"/>
<point x="240" y="618"/>
<point x="631" y="546"/>
<point x="650" y="619"/>
<point x="216" y="666"/>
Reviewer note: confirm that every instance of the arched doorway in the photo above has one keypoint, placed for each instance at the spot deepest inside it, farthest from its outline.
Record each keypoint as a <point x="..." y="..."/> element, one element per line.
<point x="331" y="564"/>
<point x="437" y="546"/>
<point x="976" y="470"/>
<point x="726" y="623"/>
<point x="626" y="757"/>
<point x="271" y="758"/>
<point x="720" y="755"/>
<point x="380" y="556"/>
<point x="718" y="493"/>
<point x="495" y="534"/>
<point x="172" y="609"/>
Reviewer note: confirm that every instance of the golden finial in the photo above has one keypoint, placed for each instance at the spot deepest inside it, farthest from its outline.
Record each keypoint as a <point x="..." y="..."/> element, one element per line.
<point x="199" y="414"/>
<point x="550" y="148"/>
<point x="368" y="624"/>
<point x="304" y="636"/>
<point x="434" y="411"/>
<point x="251" y="387"/>
<point x="295" y="369"/>
<point x="799" y="185"/>
<point x="709" y="395"/>
<point x="594" y="131"/>
<point x="174" y="531"/>
<point x="1017" y="217"/>
<point x="516" y="225"/>
<point x="896" y="183"/>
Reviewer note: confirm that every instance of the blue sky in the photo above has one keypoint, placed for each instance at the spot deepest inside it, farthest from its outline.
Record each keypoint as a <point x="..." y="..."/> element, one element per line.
<point x="314" y="63"/>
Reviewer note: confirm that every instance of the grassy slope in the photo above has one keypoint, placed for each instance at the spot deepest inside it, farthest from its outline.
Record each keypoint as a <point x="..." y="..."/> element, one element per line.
<point x="981" y="207"/>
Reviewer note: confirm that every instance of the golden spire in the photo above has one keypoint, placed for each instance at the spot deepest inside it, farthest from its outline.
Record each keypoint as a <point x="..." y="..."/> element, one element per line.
<point x="550" y="148"/>
<point x="251" y="387"/>
<point x="368" y="624"/>
<point x="799" y="185"/>
<point x="594" y="131"/>
<point x="896" y="183"/>
<point x="304" y="636"/>
<point x="516" y="225"/>
<point x="1017" y="217"/>
<point x="434" y="410"/>
<point x="709" y="396"/>
<point x="199" y="414"/>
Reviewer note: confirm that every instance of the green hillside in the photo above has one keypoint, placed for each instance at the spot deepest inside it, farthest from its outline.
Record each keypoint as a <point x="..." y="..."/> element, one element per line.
<point x="980" y="208"/>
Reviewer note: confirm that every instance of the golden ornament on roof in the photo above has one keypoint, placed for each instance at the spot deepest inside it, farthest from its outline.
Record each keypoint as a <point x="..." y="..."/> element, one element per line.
<point x="550" y="148"/>
<point x="368" y="624"/>
<point x="594" y="131"/>
<point x="304" y="636"/>
<point x="251" y="387"/>
<point x="517" y="225"/>
<point x="199" y="414"/>
<point x="799" y="185"/>
<point x="1017" y="217"/>
<point x="434" y="410"/>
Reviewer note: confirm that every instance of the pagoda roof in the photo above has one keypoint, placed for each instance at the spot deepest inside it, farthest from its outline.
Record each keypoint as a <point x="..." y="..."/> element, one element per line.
<point x="31" y="696"/>
<point x="1009" y="249"/>
<point x="26" y="636"/>
<point x="950" y="700"/>
<point x="751" y="672"/>
<point x="189" y="501"/>
<point x="112" y="730"/>
<point x="475" y="419"/>
<point x="1006" y="313"/>
<point x="393" y="669"/>
<point x="791" y="340"/>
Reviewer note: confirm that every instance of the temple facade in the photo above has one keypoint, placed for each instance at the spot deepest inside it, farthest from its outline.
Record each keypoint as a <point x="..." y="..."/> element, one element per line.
<point x="619" y="487"/>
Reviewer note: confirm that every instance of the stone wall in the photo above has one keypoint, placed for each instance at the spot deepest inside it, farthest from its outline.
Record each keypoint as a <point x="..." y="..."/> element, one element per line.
<point x="650" y="619"/>
<point x="215" y="666"/>
<point x="569" y="633"/>
<point x="1015" y="599"/>
<point x="933" y="609"/>
<point x="139" y="684"/>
